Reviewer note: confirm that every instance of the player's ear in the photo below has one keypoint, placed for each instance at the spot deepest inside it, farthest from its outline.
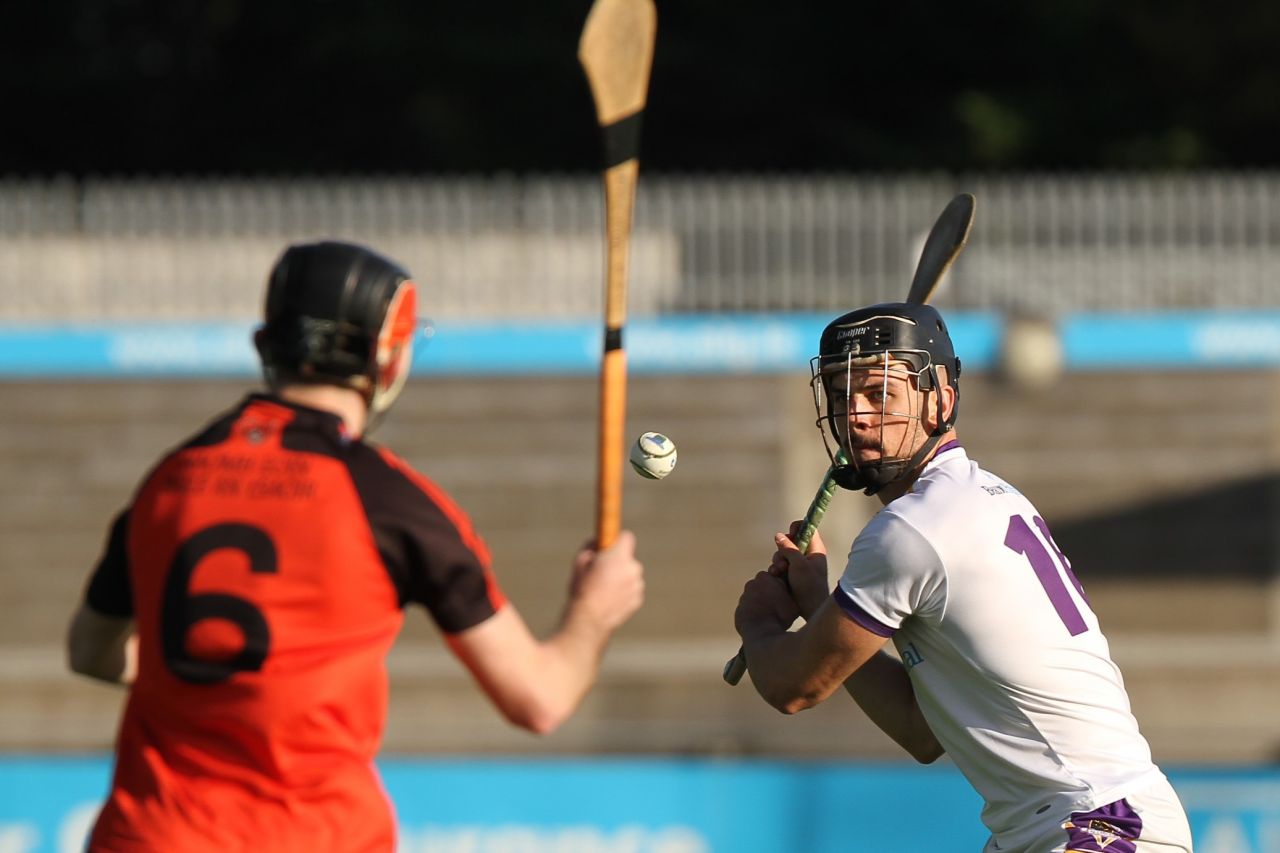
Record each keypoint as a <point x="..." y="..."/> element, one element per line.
<point x="942" y="387"/>
<point x="948" y="393"/>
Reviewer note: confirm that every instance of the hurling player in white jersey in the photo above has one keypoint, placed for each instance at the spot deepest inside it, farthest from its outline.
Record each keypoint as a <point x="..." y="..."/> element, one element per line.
<point x="1000" y="662"/>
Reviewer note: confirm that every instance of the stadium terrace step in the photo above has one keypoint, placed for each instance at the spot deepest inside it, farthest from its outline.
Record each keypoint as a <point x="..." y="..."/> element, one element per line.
<point x="1162" y="489"/>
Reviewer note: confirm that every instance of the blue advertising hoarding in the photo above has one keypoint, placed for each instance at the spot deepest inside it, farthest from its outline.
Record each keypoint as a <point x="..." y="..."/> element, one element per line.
<point x="661" y="805"/>
<point x="741" y="343"/>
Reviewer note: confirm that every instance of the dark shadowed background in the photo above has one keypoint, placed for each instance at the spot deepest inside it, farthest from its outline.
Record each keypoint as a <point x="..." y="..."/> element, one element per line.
<point x="234" y="87"/>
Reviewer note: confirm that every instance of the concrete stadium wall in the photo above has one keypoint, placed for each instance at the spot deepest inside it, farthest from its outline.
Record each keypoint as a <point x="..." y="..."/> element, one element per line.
<point x="1162" y="488"/>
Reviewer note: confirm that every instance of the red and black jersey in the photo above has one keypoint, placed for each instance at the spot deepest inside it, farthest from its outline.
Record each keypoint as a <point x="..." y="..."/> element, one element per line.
<point x="266" y="563"/>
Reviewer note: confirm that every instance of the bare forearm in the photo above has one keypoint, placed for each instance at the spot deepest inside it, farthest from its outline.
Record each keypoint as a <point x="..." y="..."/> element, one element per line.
<point x="570" y="665"/>
<point x="883" y="691"/>
<point x="536" y="684"/>
<point x="782" y="671"/>
<point x="794" y="670"/>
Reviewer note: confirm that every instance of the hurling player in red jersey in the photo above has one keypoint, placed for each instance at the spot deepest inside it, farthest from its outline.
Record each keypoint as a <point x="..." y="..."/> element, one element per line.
<point x="251" y="589"/>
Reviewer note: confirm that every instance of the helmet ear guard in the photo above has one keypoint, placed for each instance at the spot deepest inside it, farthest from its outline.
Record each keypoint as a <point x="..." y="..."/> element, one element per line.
<point x="394" y="347"/>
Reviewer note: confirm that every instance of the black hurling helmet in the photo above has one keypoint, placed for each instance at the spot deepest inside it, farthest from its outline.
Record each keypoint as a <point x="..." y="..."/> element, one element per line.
<point x="869" y="339"/>
<point x="339" y="313"/>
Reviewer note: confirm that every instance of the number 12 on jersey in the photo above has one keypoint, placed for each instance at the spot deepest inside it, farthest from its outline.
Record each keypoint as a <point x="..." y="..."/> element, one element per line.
<point x="1022" y="539"/>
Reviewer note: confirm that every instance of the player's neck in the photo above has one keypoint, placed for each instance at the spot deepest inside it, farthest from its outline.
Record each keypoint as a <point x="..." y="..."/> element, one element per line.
<point x="897" y="489"/>
<point x="346" y="403"/>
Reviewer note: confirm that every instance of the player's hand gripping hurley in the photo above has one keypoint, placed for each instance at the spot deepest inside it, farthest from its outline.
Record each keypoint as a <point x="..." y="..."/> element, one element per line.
<point x="945" y="240"/>
<point x="616" y="52"/>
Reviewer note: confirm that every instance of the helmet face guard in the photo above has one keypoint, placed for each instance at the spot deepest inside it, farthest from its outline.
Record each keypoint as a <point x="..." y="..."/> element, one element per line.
<point x="884" y="390"/>
<point x="874" y="368"/>
<point x="342" y="314"/>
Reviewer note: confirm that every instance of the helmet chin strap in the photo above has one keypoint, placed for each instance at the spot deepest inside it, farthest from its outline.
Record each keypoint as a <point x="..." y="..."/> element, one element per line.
<point x="874" y="478"/>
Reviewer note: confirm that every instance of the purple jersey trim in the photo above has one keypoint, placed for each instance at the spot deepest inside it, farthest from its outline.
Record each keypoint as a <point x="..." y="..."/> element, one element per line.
<point x="950" y="445"/>
<point x="1112" y="828"/>
<point x="862" y="617"/>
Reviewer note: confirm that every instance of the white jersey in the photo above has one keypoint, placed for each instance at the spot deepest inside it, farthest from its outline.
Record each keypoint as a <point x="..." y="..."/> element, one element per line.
<point x="1005" y="656"/>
